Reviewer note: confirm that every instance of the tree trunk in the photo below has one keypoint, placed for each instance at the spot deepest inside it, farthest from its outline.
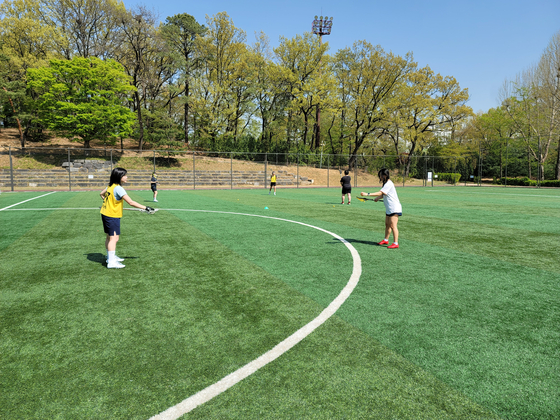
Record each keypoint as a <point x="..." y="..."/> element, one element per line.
<point x="288" y="131"/>
<point x="21" y="137"/>
<point x="186" y="120"/>
<point x="529" y="162"/>
<point x="305" y="130"/>
<point x="140" y="123"/>
<point x="558" y="161"/>
<point x="408" y="160"/>
<point x="501" y="159"/>
<point x="318" y="129"/>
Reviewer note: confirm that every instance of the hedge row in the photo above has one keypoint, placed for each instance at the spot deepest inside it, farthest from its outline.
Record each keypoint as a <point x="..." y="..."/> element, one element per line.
<point x="526" y="182"/>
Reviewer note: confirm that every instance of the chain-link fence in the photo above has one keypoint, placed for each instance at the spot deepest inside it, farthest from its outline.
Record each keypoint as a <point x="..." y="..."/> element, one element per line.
<point x="78" y="168"/>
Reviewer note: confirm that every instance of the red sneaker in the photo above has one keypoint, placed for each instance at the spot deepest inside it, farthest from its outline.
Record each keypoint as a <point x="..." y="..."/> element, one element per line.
<point x="383" y="242"/>
<point x="393" y="246"/>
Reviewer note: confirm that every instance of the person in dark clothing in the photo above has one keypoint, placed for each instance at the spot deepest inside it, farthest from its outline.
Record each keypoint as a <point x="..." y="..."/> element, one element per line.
<point x="346" y="187"/>
<point x="153" y="186"/>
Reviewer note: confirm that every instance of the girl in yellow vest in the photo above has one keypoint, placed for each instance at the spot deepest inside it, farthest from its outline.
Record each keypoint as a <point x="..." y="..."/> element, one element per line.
<point x="272" y="183"/>
<point x="112" y="211"/>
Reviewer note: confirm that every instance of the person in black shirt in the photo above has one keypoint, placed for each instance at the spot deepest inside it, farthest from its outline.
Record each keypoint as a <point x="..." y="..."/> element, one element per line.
<point x="346" y="187"/>
<point x="153" y="186"/>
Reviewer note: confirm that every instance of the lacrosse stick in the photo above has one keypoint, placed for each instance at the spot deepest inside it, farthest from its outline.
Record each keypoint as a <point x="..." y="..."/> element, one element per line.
<point x="148" y="210"/>
<point x="362" y="199"/>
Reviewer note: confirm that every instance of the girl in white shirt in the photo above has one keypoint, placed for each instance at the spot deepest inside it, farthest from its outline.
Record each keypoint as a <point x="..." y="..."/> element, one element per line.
<point x="393" y="208"/>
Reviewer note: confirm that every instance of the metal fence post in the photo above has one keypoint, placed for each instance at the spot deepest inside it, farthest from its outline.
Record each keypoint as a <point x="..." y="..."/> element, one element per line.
<point x="454" y="170"/>
<point x="11" y="169"/>
<point x="193" y="172"/>
<point x="356" y="172"/>
<point x="403" y="172"/>
<point x="265" y="168"/>
<point x="433" y="170"/>
<point x="328" y="168"/>
<point x="507" y="159"/>
<point x="297" y="164"/>
<point x="69" y="172"/>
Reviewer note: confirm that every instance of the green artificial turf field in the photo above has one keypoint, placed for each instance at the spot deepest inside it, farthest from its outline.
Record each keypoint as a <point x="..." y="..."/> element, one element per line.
<point x="461" y="322"/>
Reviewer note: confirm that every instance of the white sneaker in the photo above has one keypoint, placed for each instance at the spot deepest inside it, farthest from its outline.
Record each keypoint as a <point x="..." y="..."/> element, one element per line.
<point x="115" y="264"/>
<point x="155" y="201"/>
<point x="119" y="259"/>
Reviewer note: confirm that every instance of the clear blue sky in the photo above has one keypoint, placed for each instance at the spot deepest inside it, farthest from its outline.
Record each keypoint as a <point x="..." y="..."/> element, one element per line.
<point x="480" y="43"/>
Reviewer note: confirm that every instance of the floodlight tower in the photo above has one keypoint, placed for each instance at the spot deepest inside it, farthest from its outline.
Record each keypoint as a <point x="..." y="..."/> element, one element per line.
<point x="321" y="26"/>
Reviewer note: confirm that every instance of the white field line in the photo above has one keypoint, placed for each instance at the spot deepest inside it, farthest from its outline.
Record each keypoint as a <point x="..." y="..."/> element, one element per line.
<point x="21" y="202"/>
<point x="56" y="208"/>
<point x="230" y="380"/>
<point x="68" y="208"/>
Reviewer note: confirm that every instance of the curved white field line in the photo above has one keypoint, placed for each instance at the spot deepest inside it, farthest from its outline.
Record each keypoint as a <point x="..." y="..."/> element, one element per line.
<point x="230" y="380"/>
<point x="233" y="378"/>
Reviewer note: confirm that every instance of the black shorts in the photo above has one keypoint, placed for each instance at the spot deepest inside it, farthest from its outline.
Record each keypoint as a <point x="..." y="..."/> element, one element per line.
<point x="273" y="184"/>
<point x="394" y="214"/>
<point x="154" y="187"/>
<point x="111" y="225"/>
<point x="346" y="190"/>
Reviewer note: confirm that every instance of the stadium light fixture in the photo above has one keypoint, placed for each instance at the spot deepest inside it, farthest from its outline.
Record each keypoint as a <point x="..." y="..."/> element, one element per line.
<point x="322" y="25"/>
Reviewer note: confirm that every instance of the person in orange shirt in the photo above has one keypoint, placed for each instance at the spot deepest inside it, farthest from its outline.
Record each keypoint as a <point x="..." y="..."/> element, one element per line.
<point x="112" y="211"/>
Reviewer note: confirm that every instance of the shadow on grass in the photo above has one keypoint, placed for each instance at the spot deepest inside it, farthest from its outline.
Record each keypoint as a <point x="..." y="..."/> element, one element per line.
<point x="358" y="241"/>
<point x="100" y="258"/>
<point x="96" y="257"/>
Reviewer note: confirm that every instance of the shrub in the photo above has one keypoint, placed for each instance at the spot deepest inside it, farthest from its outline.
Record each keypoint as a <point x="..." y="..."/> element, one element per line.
<point x="550" y="183"/>
<point x="450" y="178"/>
<point x="526" y="182"/>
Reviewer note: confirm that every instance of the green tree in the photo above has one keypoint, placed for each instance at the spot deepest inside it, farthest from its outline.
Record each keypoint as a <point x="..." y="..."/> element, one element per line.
<point x="180" y="32"/>
<point x="369" y="79"/>
<point x="82" y="99"/>
<point x="301" y="60"/>
<point x="271" y="97"/>
<point x="430" y="107"/>
<point x="532" y="101"/>
<point x="493" y="130"/>
<point x="548" y="78"/>
<point x="140" y="48"/>
<point x="25" y="38"/>
<point x="526" y="106"/>
<point x="222" y="91"/>
<point x="87" y="28"/>
<point x="13" y="98"/>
